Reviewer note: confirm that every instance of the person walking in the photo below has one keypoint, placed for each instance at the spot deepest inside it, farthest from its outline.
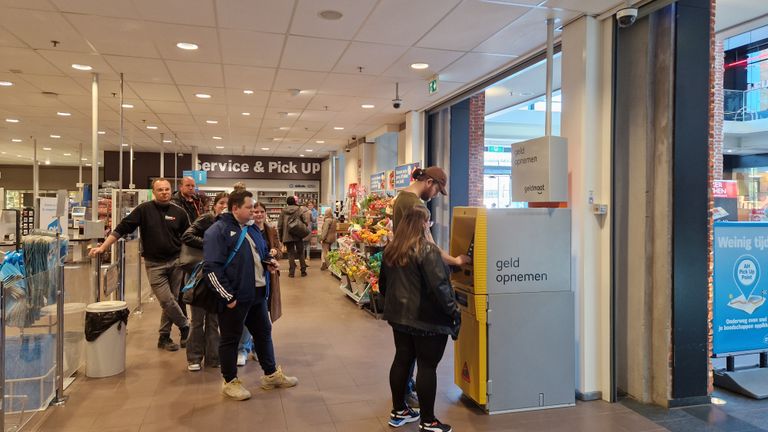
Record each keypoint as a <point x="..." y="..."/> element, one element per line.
<point x="186" y="198"/>
<point x="294" y="216"/>
<point x="162" y="224"/>
<point x="269" y="235"/>
<point x="204" y="335"/>
<point x="420" y="306"/>
<point x="327" y="236"/>
<point x="237" y="267"/>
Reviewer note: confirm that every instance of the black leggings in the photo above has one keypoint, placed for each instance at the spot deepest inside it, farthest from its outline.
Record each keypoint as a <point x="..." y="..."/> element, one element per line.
<point x="428" y="351"/>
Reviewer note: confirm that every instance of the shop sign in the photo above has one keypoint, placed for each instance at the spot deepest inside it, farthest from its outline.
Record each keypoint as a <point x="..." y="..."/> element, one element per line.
<point x="200" y="177"/>
<point x="540" y="170"/>
<point x="390" y="180"/>
<point x="725" y="189"/>
<point x="740" y="315"/>
<point x="403" y="175"/>
<point x="254" y="167"/>
<point x="378" y="182"/>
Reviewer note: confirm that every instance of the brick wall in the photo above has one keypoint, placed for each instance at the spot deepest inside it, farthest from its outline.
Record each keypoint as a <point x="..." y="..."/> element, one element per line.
<point x="476" y="148"/>
<point x="716" y="58"/>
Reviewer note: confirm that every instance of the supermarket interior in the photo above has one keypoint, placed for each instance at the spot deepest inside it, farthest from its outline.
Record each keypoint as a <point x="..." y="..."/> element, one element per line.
<point x="580" y="188"/>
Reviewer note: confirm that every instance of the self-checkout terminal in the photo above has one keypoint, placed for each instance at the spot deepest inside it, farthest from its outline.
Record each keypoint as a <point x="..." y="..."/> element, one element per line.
<point x="515" y="351"/>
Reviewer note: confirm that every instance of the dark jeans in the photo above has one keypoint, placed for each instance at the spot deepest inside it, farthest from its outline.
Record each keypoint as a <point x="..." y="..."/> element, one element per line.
<point x="231" y="321"/>
<point x="428" y="351"/>
<point x="295" y="250"/>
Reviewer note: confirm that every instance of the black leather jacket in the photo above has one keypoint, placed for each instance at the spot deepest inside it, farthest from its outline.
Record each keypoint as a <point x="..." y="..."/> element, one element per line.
<point x="420" y="294"/>
<point x="193" y="236"/>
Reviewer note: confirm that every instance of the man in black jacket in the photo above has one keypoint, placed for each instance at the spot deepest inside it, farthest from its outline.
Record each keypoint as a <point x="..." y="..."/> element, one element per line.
<point x="186" y="198"/>
<point x="162" y="225"/>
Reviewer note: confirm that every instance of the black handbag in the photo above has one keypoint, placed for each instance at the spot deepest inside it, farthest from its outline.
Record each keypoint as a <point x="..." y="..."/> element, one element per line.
<point x="189" y="257"/>
<point x="297" y="228"/>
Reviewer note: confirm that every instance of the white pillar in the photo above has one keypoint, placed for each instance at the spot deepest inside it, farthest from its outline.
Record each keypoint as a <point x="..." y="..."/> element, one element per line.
<point x="195" y="158"/>
<point x="586" y="116"/>
<point x="95" y="148"/>
<point x="35" y="173"/>
<point x="162" y="155"/>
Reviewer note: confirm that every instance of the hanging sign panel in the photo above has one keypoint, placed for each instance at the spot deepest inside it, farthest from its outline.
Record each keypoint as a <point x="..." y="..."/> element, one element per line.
<point x="740" y="315"/>
<point x="200" y="177"/>
<point x="378" y="183"/>
<point x="253" y="167"/>
<point x="403" y="175"/>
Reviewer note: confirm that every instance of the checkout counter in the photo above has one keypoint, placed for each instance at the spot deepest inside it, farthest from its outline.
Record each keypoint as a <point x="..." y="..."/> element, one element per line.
<point x="516" y="348"/>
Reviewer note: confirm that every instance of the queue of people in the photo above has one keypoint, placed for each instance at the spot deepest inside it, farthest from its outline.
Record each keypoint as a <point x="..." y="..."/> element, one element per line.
<point x="239" y="253"/>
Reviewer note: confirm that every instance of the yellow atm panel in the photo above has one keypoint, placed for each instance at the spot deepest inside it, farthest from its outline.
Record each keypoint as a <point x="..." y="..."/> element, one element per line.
<point x="470" y="360"/>
<point x="469" y="236"/>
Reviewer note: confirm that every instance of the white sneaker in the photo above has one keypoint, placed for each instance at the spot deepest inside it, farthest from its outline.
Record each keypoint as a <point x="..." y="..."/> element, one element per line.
<point x="242" y="357"/>
<point x="235" y="390"/>
<point x="278" y="379"/>
<point x="194" y="367"/>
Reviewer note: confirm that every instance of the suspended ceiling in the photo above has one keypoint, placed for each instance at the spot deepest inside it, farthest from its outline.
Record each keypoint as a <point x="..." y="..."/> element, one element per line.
<point x="272" y="47"/>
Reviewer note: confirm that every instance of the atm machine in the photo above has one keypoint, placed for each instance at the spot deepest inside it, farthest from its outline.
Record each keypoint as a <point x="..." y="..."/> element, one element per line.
<point x="516" y="348"/>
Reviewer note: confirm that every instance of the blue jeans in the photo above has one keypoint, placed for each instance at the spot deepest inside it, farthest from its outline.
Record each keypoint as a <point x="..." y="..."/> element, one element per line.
<point x="246" y="343"/>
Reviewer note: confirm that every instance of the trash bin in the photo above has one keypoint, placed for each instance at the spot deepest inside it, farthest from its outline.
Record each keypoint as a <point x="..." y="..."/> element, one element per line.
<point x="105" y="330"/>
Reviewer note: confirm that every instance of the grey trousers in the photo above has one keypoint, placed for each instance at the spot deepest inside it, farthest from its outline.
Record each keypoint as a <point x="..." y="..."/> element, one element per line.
<point x="166" y="278"/>
<point x="203" y="337"/>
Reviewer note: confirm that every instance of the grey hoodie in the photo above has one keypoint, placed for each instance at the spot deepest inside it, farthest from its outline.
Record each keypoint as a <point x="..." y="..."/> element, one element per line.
<point x="289" y="212"/>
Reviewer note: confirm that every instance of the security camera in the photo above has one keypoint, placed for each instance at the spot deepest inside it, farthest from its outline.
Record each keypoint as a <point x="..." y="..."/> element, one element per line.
<point x="347" y="149"/>
<point x="626" y="17"/>
<point x="397" y="103"/>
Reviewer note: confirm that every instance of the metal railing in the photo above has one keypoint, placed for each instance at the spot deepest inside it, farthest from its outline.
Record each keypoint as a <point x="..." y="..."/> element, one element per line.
<point x="745" y="105"/>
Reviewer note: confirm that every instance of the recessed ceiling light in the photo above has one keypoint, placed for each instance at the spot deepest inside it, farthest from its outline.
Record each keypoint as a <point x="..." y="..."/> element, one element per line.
<point x="217" y="137"/>
<point x="189" y="46"/>
<point x="151" y="127"/>
<point x="331" y="15"/>
<point x="284" y="128"/>
<point x="81" y="67"/>
<point x="102" y="133"/>
<point x="729" y="150"/>
<point x="88" y="164"/>
<point x="212" y="121"/>
<point x="16" y="140"/>
<point x="202" y="95"/>
<point x="125" y="145"/>
<point x="5" y="83"/>
<point x="67" y="154"/>
<point x="367" y="106"/>
<point x="219" y="147"/>
<point x="276" y="139"/>
<point x="2" y="152"/>
<point x="248" y="92"/>
<point x="127" y="106"/>
<point x="47" y="162"/>
<point x="246" y="113"/>
<point x="265" y="148"/>
<point x="338" y="128"/>
<point x="301" y="155"/>
<point x="12" y="120"/>
<point x="419" y="66"/>
<point x="63" y="114"/>
<point x="47" y="148"/>
<point x="309" y="150"/>
<point x="320" y="142"/>
<point x="18" y="155"/>
<point x="83" y="159"/>
<point x="167" y="141"/>
<point x="55" y="136"/>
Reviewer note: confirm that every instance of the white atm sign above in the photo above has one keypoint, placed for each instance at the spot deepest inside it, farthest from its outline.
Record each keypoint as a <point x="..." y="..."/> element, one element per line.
<point x="252" y="167"/>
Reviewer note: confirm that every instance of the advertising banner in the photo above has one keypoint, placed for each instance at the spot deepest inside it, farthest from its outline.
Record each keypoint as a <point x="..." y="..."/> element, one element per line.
<point x="403" y="175"/>
<point x="378" y="183"/>
<point x="740" y="316"/>
<point x="253" y="167"/>
<point x="725" y="193"/>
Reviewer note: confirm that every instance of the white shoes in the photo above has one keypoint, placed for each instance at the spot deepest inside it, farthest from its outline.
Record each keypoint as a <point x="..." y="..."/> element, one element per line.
<point x="235" y="390"/>
<point x="242" y="357"/>
<point x="194" y="367"/>
<point x="278" y="380"/>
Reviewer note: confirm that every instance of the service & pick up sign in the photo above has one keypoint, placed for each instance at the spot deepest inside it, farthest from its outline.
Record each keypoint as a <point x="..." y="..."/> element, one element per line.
<point x="740" y="316"/>
<point x="254" y="167"/>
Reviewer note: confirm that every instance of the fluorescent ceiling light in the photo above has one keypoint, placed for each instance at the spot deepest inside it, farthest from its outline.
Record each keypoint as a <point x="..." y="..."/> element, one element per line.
<point x="88" y="164"/>
<point x="125" y="105"/>
<point x="338" y="128"/>
<point x="167" y="141"/>
<point x="246" y="113"/>
<point x="265" y="148"/>
<point x="18" y="155"/>
<point x="102" y="133"/>
<point x="12" y="120"/>
<point x="189" y="46"/>
<point x="320" y="142"/>
<point x="301" y="155"/>
<point x="83" y="159"/>
<point x="419" y="66"/>
<point x="217" y="137"/>
<point x="309" y="150"/>
<point x="81" y="67"/>
<point x="219" y="147"/>
<point x="276" y="139"/>
<point x="67" y="154"/>
<point x="212" y="121"/>
<point x="125" y="145"/>
<point x="16" y="140"/>
<point x="5" y="83"/>
<point x="151" y="127"/>
<point x="284" y="128"/>
<point x="55" y="136"/>
<point x="47" y="162"/>
<point x="367" y="106"/>
<point x="202" y="95"/>
<point x="63" y="114"/>
<point x="248" y="92"/>
<point x="47" y="148"/>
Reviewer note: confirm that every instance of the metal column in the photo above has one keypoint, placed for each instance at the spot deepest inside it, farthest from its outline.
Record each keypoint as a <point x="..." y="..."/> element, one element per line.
<point x="550" y="75"/>
<point x="35" y="173"/>
<point x="2" y="354"/>
<point x="95" y="148"/>
<point x="59" y="399"/>
<point x="162" y="155"/>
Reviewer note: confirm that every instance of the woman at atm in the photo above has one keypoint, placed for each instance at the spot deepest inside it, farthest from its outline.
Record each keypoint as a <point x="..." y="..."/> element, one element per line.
<point x="420" y="305"/>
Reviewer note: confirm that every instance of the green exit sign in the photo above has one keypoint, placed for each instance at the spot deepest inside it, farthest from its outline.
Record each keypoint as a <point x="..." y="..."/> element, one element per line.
<point x="433" y="85"/>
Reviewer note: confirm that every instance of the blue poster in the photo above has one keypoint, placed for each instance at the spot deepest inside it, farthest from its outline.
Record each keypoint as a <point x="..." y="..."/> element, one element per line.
<point x="403" y="175"/>
<point x="740" y="315"/>
<point x="200" y="177"/>
<point x="378" y="183"/>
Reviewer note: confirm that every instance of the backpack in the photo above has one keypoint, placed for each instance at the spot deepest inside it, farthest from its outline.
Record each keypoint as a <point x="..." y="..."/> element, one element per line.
<point x="297" y="228"/>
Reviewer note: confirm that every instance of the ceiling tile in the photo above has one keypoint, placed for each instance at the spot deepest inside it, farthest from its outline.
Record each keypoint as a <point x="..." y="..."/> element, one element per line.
<point x="120" y="9"/>
<point x="307" y="22"/>
<point x="286" y="100"/>
<point x="114" y="35"/>
<point x="473" y="66"/>
<point x="140" y="69"/>
<point x="591" y="7"/>
<point x="38" y="29"/>
<point x="248" y="77"/>
<point x="532" y="25"/>
<point x="237" y="97"/>
<point x="156" y="92"/>
<point x="162" y="107"/>
<point x="251" y="48"/>
<point x="373" y="58"/>
<point x="310" y="115"/>
<point x="166" y="36"/>
<point x="63" y="61"/>
<point x="193" y="12"/>
<point x="302" y="80"/>
<point x="9" y="40"/>
<point x="346" y="84"/>
<point x="57" y="84"/>
<point x="27" y="4"/>
<point x="311" y="54"/>
<point x="208" y="109"/>
<point x="262" y="15"/>
<point x="403" y="22"/>
<point x="493" y="17"/>
<point x="201" y="74"/>
<point x="437" y="60"/>
<point x="331" y="102"/>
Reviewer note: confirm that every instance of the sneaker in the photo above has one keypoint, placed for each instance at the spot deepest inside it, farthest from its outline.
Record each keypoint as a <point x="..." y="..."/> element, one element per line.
<point x="303" y="274"/>
<point x="435" y="426"/>
<point x="194" y="367"/>
<point x="290" y="275"/>
<point x="235" y="390"/>
<point x="242" y="358"/>
<point x="400" y="418"/>
<point x="252" y="356"/>
<point x="412" y="400"/>
<point x="184" y="336"/>
<point x="166" y="343"/>
<point x="324" y="267"/>
<point x="278" y="379"/>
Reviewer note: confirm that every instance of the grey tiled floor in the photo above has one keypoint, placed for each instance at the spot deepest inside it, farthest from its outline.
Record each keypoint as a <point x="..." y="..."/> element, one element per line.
<point x="341" y="356"/>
